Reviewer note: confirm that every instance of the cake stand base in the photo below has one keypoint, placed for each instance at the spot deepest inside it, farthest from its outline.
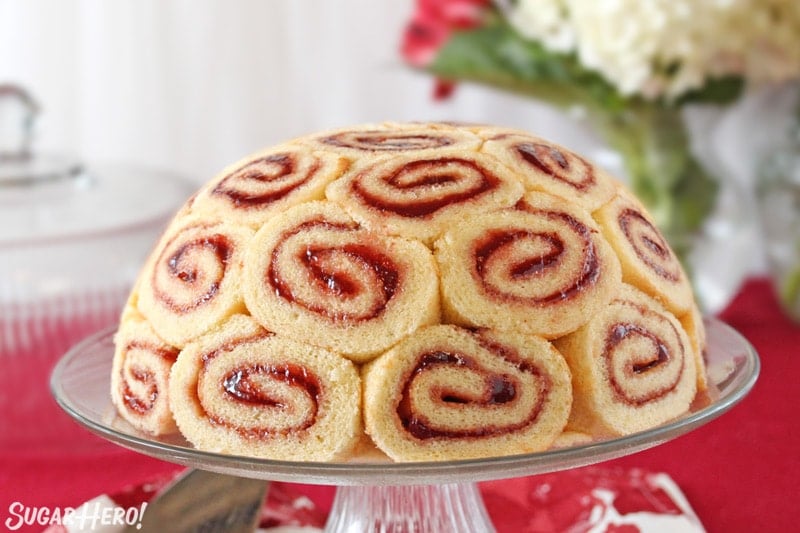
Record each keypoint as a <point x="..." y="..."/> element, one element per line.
<point x="454" y="507"/>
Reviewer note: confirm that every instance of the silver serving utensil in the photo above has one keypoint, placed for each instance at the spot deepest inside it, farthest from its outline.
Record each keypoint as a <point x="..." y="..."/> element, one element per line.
<point x="200" y="501"/>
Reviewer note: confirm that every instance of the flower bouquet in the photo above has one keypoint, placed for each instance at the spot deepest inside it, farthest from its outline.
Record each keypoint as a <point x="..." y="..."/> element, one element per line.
<point x="632" y="67"/>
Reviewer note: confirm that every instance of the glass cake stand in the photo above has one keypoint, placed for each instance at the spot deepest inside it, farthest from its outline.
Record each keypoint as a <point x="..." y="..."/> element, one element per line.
<point x="374" y="493"/>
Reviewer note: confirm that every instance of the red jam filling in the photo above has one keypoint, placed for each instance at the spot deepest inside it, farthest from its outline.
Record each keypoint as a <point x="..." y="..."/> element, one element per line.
<point x="184" y="272"/>
<point x="279" y="167"/>
<point x="643" y="363"/>
<point x="427" y="174"/>
<point x="495" y="240"/>
<point x="385" y="141"/>
<point x="652" y="240"/>
<point x="542" y="156"/>
<point x="498" y="389"/>
<point x="338" y="284"/>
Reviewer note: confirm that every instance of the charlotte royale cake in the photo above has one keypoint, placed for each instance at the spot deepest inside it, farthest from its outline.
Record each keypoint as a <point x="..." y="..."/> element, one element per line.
<point x="438" y="291"/>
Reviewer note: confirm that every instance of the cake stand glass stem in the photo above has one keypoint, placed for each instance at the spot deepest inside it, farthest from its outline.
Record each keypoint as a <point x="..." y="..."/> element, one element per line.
<point x="455" y="507"/>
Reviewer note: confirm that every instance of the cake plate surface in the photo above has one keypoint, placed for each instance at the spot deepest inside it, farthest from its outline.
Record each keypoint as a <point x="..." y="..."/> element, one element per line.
<point x="374" y="493"/>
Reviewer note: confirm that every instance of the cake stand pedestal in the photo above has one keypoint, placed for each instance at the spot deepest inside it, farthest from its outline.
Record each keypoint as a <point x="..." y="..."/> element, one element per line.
<point x="375" y="494"/>
<point x="456" y="507"/>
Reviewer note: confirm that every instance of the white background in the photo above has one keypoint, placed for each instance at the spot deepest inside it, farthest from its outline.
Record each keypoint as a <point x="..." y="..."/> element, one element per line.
<point x="190" y="86"/>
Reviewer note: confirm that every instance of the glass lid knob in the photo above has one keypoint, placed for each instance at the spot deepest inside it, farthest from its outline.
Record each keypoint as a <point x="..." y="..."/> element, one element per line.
<point x="20" y="166"/>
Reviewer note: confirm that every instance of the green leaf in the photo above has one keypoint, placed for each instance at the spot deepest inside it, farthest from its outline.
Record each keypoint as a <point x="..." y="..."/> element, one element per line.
<point x="498" y="56"/>
<point x="715" y="91"/>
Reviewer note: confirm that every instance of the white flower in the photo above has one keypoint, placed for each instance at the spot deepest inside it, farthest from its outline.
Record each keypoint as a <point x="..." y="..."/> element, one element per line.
<point x="546" y="22"/>
<point x="667" y="47"/>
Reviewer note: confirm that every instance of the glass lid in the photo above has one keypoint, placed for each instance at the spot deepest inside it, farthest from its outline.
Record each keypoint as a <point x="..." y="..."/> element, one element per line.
<point x="46" y="197"/>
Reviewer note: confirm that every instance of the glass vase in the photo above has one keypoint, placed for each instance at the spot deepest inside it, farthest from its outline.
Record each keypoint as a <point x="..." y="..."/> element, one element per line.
<point x="671" y="165"/>
<point x="654" y="145"/>
<point x="779" y="202"/>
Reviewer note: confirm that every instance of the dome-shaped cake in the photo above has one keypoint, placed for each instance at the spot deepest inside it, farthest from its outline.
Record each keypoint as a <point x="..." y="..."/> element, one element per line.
<point x="441" y="291"/>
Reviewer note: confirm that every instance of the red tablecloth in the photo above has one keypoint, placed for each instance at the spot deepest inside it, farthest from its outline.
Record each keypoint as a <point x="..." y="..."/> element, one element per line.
<point x="740" y="472"/>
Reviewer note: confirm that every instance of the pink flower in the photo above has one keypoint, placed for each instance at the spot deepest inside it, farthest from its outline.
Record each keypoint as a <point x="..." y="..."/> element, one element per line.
<point x="432" y="24"/>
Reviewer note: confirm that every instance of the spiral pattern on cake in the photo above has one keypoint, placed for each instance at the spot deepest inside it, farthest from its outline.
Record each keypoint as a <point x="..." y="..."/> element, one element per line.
<point x="193" y="281"/>
<point x="539" y="268"/>
<point x="314" y="273"/>
<point x="449" y="393"/>
<point x="632" y="367"/>
<point x="396" y="138"/>
<point x="466" y="290"/>
<point x="140" y="376"/>
<point x="422" y="196"/>
<point x="547" y="167"/>
<point x="254" y="189"/>
<point x="244" y="391"/>
<point x="647" y="260"/>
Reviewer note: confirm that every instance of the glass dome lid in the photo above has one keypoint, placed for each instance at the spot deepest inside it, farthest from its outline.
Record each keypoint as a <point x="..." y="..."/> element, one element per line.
<point x="47" y="197"/>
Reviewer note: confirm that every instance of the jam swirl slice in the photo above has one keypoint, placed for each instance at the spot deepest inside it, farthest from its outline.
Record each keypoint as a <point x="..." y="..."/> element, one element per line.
<point x="422" y="196"/>
<point x="244" y="391"/>
<point x="450" y="393"/>
<point x="544" y="166"/>
<point x="540" y="268"/>
<point x="140" y="376"/>
<point x="637" y="366"/>
<point x="647" y="260"/>
<point x="394" y="138"/>
<point x="316" y="274"/>
<point x="192" y="282"/>
<point x="258" y="187"/>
